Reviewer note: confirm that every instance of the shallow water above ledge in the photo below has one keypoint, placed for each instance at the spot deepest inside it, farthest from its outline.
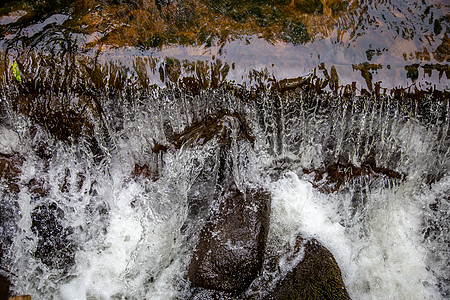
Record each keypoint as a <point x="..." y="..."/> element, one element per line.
<point x="247" y="63"/>
<point x="252" y="61"/>
<point x="369" y="45"/>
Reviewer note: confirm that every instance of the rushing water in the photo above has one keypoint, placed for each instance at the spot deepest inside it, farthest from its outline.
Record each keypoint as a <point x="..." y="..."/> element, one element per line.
<point x="94" y="198"/>
<point x="116" y="235"/>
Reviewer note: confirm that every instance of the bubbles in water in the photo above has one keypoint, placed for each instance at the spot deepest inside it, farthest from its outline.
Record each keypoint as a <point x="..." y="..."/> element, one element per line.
<point x="110" y="221"/>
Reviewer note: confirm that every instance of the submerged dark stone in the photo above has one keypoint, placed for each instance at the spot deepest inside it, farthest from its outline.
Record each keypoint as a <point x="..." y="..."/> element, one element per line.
<point x="4" y="288"/>
<point x="146" y="171"/>
<point x="295" y="32"/>
<point x="8" y="225"/>
<point x="10" y="165"/>
<point x="436" y="232"/>
<point x="201" y="194"/>
<point x="309" y="6"/>
<point x="54" y="248"/>
<point x="230" y="251"/>
<point x="219" y="127"/>
<point x="331" y="178"/>
<point x="205" y="294"/>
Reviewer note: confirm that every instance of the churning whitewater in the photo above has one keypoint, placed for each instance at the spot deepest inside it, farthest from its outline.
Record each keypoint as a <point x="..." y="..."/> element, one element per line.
<point x="123" y="235"/>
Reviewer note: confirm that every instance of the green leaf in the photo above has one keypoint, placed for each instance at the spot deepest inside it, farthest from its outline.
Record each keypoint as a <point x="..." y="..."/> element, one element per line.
<point x="16" y="71"/>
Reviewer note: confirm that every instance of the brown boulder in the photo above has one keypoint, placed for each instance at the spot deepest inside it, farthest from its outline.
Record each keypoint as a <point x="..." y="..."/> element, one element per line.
<point x="231" y="246"/>
<point x="315" y="276"/>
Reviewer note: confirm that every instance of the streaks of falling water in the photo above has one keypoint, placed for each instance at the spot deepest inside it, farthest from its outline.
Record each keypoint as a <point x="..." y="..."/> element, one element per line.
<point x="126" y="230"/>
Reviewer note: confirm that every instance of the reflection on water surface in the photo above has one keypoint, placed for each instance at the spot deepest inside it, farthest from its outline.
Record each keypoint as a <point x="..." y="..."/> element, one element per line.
<point x="392" y="43"/>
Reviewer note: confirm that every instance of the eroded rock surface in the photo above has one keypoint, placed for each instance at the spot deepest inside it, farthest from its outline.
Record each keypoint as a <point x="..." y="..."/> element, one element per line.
<point x="217" y="167"/>
<point x="331" y="178"/>
<point x="10" y="165"/>
<point x="231" y="245"/>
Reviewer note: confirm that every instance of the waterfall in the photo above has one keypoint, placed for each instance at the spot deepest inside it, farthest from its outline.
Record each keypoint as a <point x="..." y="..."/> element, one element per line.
<point x="127" y="128"/>
<point x="104" y="216"/>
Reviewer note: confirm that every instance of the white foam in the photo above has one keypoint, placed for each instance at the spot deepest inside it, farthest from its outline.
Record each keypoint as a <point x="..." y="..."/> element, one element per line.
<point x="381" y="257"/>
<point x="9" y="141"/>
<point x="100" y="273"/>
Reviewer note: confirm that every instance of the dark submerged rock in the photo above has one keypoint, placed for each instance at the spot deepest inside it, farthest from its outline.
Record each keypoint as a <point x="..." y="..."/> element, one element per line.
<point x="217" y="166"/>
<point x="219" y="127"/>
<point x="146" y="171"/>
<point x="4" y="288"/>
<point x="9" y="212"/>
<point x="10" y="165"/>
<point x="436" y="232"/>
<point x="231" y="245"/>
<point x="205" y="294"/>
<point x="331" y="178"/>
<point x="230" y="251"/>
<point x="61" y="120"/>
<point x="54" y="248"/>
<point x="10" y="170"/>
<point x="201" y="194"/>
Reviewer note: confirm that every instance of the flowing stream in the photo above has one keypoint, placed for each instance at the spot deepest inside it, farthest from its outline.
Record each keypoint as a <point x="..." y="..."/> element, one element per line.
<point x="101" y="147"/>
<point x="84" y="224"/>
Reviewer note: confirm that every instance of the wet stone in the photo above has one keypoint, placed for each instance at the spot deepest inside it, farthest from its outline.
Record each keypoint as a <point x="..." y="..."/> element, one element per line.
<point x="4" y="288"/>
<point x="10" y="165"/>
<point x="9" y="213"/>
<point x="436" y="232"/>
<point x="220" y="127"/>
<point x="333" y="177"/>
<point x="230" y="250"/>
<point x="316" y="276"/>
<point x="309" y="6"/>
<point x="54" y="248"/>
<point x="303" y="269"/>
<point x="146" y="171"/>
<point x="201" y="194"/>
<point x="205" y="294"/>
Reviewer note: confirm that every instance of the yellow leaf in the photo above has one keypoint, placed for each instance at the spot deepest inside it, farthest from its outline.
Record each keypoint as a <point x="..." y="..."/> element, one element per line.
<point x="16" y="71"/>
